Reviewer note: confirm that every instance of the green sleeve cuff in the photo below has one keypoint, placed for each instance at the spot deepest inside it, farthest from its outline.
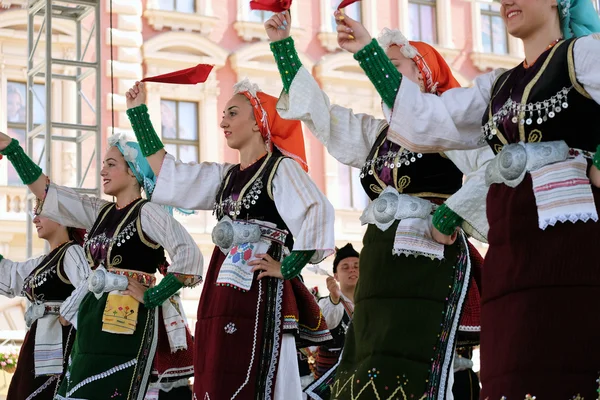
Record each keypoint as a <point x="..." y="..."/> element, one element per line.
<point x="597" y="157"/>
<point x="287" y="60"/>
<point x="292" y="265"/>
<point x="380" y="71"/>
<point x="446" y="220"/>
<point x="28" y="171"/>
<point x="157" y="295"/>
<point x="146" y="136"/>
<point x="1" y="257"/>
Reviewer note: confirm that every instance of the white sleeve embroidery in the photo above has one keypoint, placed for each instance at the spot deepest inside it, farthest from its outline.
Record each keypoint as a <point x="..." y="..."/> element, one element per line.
<point x="304" y="209"/>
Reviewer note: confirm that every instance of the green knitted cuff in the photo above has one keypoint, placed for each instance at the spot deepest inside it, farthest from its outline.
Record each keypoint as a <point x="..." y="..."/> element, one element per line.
<point x="1" y="257"/>
<point x="28" y="171"/>
<point x="597" y="157"/>
<point x="293" y="264"/>
<point x="446" y="220"/>
<point x="157" y="295"/>
<point x="287" y="61"/>
<point x="380" y="70"/>
<point x="146" y="136"/>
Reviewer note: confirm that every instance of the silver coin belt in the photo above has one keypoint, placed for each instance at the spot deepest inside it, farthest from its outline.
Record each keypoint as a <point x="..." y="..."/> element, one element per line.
<point x="528" y="113"/>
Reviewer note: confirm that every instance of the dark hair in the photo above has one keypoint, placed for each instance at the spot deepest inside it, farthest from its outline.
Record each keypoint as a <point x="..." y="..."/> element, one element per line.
<point x="76" y="234"/>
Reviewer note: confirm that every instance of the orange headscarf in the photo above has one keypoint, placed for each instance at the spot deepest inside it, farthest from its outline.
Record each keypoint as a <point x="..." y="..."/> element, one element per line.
<point x="436" y="73"/>
<point x="284" y="134"/>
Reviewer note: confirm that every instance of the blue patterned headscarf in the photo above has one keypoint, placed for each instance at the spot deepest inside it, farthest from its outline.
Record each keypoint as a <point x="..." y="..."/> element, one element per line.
<point x="578" y="18"/>
<point x="139" y="166"/>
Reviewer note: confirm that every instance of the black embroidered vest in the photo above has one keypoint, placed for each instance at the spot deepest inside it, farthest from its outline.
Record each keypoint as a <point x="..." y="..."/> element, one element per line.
<point x="554" y="105"/>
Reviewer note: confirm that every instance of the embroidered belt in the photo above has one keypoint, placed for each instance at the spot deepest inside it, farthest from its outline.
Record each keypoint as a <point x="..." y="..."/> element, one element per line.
<point x="228" y="233"/>
<point x="391" y="206"/>
<point x="510" y="165"/>
<point x="241" y="241"/>
<point x="103" y="281"/>
<point x="560" y="184"/>
<point x="37" y="310"/>
<point x="413" y="233"/>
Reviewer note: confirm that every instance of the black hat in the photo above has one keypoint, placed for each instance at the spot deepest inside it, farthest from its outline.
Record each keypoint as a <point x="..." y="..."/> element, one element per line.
<point x="345" y="252"/>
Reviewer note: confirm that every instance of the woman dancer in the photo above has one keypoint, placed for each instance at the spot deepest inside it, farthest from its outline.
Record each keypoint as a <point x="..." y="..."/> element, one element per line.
<point x="273" y="220"/>
<point x="49" y="283"/>
<point x="541" y="276"/>
<point x="411" y="285"/>
<point x="115" y="351"/>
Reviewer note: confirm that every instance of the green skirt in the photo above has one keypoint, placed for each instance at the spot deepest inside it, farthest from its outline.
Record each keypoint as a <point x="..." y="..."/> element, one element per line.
<point x="105" y="365"/>
<point x="400" y="344"/>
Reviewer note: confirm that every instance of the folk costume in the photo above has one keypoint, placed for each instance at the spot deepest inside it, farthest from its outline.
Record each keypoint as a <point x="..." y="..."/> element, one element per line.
<point x="541" y="273"/>
<point x="411" y="290"/>
<point x="121" y="345"/>
<point x="49" y="283"/>
<point x="248" y="329"/>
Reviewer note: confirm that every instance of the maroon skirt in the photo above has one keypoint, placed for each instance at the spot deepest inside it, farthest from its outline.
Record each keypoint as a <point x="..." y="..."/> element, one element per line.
<point x="541" y="302"/>
<point x="238" y="334"/>
<point x="24" y="382"/>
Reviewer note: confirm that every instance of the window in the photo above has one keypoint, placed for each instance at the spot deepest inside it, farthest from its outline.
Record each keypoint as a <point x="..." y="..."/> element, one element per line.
<point x="184" y="6"/>
<point x="351" y="193"/>
<point x="16" y="116"/>
<point x="259" y="16"/>
<point x="179" y="123"/>
<point x="353" y="11"/>
<point x="422" y="21"/>
<point x="494" y="37"/>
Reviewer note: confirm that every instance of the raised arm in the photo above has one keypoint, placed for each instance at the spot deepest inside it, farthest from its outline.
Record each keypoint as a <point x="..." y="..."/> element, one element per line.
<point x="13" y="274"/>
<point x="347" y="136"/>
<point x="421" y="122"/>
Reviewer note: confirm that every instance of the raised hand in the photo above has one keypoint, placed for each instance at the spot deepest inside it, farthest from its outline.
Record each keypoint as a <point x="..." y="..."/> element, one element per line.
<point x="278" y="26"/>
<point x="136" y="96"/>
<point x="352" y="35"/>
<point x="335" y="292"/>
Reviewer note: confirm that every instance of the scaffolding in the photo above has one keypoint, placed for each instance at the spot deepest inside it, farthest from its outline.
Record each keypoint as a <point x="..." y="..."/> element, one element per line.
<point x="84" y="66"/>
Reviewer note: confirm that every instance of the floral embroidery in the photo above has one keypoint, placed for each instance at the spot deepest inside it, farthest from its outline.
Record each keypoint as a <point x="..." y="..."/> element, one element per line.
<point x="230" y="328"/>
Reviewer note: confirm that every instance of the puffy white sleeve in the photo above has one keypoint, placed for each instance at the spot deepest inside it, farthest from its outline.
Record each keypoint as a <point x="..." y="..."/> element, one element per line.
<point x="77" y="270"/>
<point x="333" y="313"/>
<point x="586" y="57"/>
<point x="348" y="137"/>
<point x="427" y="123"/>
<point x="13" y="274"/>
<point x="469" y="202"/>
<point x="186" y="259"/>
<point x="305" y="210"/>
<point x="188" y="185"/>
<point x="69" y="208"/>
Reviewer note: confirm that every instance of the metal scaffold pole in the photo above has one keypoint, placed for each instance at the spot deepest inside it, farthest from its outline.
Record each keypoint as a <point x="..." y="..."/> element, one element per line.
<point x="51" y="129"/>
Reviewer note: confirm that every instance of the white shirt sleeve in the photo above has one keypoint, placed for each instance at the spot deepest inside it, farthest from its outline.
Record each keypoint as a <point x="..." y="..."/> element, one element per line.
<point x="69" y="208"/>
<point x="186" y="259"/>
<point x="427" y="123"/>
<point x="347" y="136"/>
<point x="586" y="57"/>
<point x="469" y="202"/>
<point x="13" y="274"/>
<point x="333" y="313"/>
<point x="77" y="269"/>
<point x="304" y="209"/>
<point x="188" y="185"/>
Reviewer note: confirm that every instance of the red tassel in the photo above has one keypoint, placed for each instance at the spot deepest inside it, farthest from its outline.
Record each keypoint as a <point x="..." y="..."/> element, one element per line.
<point x="275" y="6"/>
<point x="188" y="76"/>
<point x="346" y="3"/>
